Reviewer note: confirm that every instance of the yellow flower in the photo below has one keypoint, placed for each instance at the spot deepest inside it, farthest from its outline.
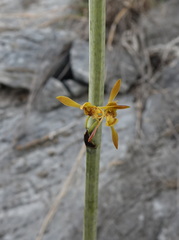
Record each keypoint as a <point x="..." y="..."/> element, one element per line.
<point x="99" y="113"/>
<point x="110" y="111"/>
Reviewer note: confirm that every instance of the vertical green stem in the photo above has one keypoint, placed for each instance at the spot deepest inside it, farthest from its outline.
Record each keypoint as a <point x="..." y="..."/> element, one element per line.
<point x="97" y="9"/>
<point x="96" y="51"/>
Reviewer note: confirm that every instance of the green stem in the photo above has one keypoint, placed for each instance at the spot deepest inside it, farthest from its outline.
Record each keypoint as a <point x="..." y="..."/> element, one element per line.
<point x="96" y="51"/>
<point x="96" y="94"/>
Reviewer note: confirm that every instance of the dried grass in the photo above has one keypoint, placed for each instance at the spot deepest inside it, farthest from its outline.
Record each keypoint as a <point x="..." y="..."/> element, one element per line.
<point x="135" y="8"/>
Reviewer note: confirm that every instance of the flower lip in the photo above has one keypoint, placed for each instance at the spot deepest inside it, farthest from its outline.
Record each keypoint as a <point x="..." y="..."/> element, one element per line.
<point x="93" y="111"/>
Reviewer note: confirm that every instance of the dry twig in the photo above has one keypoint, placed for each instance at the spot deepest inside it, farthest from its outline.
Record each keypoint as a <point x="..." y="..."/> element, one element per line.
<point x="112" y="30"/>
<point x="61" y="195"/>
<point x="49" y="137"/>
<point x="139" y="110"/>
<point x="172" y="130"/>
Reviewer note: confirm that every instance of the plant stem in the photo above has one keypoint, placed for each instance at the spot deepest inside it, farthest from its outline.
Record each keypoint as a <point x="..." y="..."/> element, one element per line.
<point x="96" y="51"/>
<point x="96" y="95"/>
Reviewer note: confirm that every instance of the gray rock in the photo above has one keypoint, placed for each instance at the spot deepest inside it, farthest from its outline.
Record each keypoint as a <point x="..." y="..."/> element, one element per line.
<point x="170" y="76"/>
<point x="22" y="14"/>
<point x="160" y="109"/>
<point x="79" y="55"/>
<point x="120" y="65"/>
<point x="161" y="24"/>
<point x="76" y="88"/>
<point x="134" y="202"/>
<point x="118" y="62"/>
<point x="30" y="57"/>
<point x="46" y="99"/>
<point x="171" y="230"/>
<point x="30" y="4"/>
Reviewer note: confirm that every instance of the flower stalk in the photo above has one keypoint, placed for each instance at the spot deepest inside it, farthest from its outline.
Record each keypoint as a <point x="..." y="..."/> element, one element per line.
<point x="97" y="11"/>
<point x="96" y="113"/>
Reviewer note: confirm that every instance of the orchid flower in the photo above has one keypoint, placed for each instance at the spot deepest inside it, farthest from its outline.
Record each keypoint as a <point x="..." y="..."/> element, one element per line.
<point x="109" y="112"/>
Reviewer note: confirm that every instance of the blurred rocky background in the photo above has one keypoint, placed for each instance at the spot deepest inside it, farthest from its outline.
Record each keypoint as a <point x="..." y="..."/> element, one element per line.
<point x="43" y="54"/>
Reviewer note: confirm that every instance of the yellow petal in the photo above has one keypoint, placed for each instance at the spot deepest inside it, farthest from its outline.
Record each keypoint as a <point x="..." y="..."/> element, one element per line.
<point x="114" y="91"/>
<point x="68" y="101"/>
<point x="115" y="107"/>
<point x="120" y="107"/>
<point x="114" y="137"/>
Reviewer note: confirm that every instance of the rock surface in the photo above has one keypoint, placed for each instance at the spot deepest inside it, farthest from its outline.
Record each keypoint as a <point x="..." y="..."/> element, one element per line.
<point x="119" y="64"/>
<point x="32" y="56"/>
<point x="22" y="14"/>
<point x="47" y="97"/>
<point x="79" y="58"/>
<point x="161" y="108"/>
<point x="166" y="25"/>
<point x="145" y="203"/>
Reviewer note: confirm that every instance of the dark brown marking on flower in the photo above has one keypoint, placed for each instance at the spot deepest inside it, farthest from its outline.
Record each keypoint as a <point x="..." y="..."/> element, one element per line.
<point x="88" y="144"/>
